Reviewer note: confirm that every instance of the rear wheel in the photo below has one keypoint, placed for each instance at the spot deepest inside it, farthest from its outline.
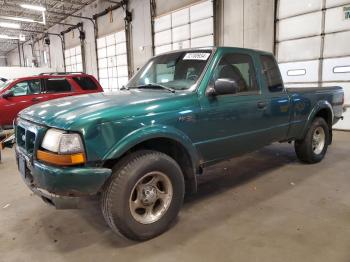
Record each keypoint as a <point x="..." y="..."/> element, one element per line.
<point x="144" y="195"/>
<point x="313" y="147"/>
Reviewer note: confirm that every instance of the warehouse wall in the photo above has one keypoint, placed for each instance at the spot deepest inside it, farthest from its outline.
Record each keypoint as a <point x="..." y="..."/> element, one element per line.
<point x="141" y="33"/>
<point x="248" y="24"/>
<point x="28" y="57"/>
<point x="242" y="23"/>
<point x="13" y="58"/>
<point x="3" y="62"/>
<point x="141" y="40"/>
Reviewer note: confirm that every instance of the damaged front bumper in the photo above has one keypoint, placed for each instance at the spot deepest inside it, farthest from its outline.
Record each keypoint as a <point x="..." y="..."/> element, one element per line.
<point x="63" y="187"/>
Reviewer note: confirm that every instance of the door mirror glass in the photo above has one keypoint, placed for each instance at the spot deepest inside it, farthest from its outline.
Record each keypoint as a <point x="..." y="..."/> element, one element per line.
<point x="224" y="86"/>
<point x="8" y="94"/>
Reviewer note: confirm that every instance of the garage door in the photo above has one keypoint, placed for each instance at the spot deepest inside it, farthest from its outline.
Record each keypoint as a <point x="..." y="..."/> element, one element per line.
<point x="313" y="47"/>
<point x="112" y="61"/>
<point x="191" y="26"/>
<point x="73" y="59"/>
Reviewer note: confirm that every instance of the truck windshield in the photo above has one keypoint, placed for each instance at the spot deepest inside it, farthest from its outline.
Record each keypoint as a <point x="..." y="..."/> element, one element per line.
<point x="178" y="71"/>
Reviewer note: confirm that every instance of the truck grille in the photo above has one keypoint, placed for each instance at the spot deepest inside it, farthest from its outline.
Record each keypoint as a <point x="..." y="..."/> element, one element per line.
<point x="25" y="137"/>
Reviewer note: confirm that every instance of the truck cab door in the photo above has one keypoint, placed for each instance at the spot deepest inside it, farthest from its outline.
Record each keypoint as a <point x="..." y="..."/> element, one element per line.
<point x="279" y="116"/>
<point x="233" y="124"/>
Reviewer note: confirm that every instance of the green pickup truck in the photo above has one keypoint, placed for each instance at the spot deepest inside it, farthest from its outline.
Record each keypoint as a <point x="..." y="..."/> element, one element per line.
<point x="141" y="149"/>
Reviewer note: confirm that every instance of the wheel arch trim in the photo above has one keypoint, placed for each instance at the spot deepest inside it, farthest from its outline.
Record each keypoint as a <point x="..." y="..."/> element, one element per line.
<point x="147" y="133"/>
<point x="321" y="105"/>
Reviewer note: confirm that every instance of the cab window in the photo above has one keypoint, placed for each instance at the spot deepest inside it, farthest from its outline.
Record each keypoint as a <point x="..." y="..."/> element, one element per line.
<point x="272" y="73"/>
<point x="24" y="88"/>
<point x="240" y="68"/>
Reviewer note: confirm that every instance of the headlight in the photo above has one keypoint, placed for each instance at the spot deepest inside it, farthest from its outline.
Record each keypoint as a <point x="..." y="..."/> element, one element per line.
<point x="58" y="141"/>
<point x="52" y="140"/>
<point x="62" y="148"/>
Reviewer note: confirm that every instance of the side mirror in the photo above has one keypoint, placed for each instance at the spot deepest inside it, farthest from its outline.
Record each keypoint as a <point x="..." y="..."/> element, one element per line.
<point x="223" y="86"/>
<point x="8" y="94"/>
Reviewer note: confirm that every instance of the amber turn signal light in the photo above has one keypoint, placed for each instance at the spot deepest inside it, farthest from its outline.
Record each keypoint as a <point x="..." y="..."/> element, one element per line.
<point x="61" y="160"/>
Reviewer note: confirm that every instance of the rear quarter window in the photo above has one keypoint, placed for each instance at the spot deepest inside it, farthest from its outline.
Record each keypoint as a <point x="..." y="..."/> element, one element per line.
<point x="272" y="73"/>
<point x="57" y="85"/>
<point x="86" y="83"/>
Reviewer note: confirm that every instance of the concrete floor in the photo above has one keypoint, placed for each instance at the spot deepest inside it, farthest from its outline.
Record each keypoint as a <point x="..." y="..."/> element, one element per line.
<point x="265" y="206"/>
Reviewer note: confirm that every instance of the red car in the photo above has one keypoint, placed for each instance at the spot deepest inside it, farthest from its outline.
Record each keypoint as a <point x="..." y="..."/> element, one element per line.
<point x="15" y="95"/>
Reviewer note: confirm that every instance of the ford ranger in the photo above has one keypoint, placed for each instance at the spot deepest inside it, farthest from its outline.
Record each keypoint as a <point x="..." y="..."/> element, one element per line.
<point x="141" y="149"/>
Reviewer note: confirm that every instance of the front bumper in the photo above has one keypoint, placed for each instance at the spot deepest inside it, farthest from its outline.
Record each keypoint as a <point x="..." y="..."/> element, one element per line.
<point x="61" y="184"/>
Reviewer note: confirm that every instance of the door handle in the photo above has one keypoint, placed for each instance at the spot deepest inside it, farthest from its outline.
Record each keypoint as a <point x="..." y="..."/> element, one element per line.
<point x="36" y="99"/>
<point x="261" y="105"/>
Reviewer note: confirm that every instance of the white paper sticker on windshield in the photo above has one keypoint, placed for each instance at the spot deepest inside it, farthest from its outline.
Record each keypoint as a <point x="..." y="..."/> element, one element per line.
<point x="196" y="56"/>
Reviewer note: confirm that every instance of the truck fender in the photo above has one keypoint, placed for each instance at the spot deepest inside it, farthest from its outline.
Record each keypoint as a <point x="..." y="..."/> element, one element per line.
<point x="156" y="131"/>
<point x="323" y="104"/>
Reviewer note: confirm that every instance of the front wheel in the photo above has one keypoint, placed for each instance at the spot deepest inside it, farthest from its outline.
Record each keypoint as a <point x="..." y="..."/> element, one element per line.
<point x="144" y="195"/>
<point x="313" y="147"/>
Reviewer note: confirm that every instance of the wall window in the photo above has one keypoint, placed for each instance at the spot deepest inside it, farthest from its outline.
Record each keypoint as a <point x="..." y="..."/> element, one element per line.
<point x="112" y="61"/>
<point x="296" y="72"/>
<point x="74" y="60"/>
<point x="272" y="73"/>
<point x="341" y="69"/>
<point x="192" y="26"/>
<point x="238" y="67"/>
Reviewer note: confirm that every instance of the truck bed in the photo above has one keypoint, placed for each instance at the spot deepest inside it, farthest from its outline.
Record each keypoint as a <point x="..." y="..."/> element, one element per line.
<point x="306" y="100"/>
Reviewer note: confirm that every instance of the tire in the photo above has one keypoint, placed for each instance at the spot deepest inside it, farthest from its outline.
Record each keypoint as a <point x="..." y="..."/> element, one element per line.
<point x="313" y="147"/>
<point x="144" y="195"/>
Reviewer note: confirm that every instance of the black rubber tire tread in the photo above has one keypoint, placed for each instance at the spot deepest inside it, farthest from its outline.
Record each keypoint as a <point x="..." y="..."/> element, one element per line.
<point x="116" y="214"/>
<point x="115" y="171"/>
<point x="303" y="148"/>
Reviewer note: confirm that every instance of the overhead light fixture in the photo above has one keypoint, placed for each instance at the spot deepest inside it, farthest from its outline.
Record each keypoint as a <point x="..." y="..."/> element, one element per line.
<point x="10" y="25"/>
<point x="22" y="38"/>
<point x="34" y="7"/>
<point x="8" y="37"/>
<point x="21" y="19"/>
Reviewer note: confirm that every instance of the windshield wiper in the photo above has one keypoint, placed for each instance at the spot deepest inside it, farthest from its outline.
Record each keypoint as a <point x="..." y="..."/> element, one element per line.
<point x="172" y="90"/>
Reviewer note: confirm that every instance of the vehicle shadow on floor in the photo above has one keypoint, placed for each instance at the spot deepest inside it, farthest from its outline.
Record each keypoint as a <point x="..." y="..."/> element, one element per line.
<point x="210" y="202"/>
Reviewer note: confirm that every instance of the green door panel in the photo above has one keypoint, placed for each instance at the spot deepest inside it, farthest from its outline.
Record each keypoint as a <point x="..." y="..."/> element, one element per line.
<point x="243" y="122"/>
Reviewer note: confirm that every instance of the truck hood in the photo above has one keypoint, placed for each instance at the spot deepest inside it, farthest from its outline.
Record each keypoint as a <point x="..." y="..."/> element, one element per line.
<point x="63" y="113"/>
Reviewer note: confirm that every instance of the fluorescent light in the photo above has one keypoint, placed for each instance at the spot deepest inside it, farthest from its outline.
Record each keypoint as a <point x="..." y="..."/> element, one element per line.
<point x="10" y="25"/>
<point x="34" y="7"/>
<point x="21" y="38"/>
<point x="22" y="19"/>
<point x="8" y="37"/>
